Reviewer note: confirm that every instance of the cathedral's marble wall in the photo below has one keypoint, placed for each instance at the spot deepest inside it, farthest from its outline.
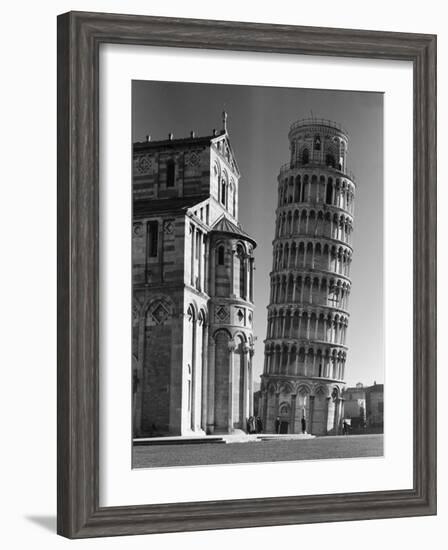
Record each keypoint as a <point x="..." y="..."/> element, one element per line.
<point x="192" y="323"/>
<point x="157" y="353"/>
<point x="191" y="172"/>
<point x="157" y="350"/>
<point x="375" y="406"/>
<point x="216" y="210"/>
<point x="223" y="169"/>
<point x="157" y="247"/>
<point x="221" y="389"/>
<point x="355" y="402"/>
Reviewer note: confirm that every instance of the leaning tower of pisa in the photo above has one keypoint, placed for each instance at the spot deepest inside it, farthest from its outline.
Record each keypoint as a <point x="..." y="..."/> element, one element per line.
<point x="305" y="346"/>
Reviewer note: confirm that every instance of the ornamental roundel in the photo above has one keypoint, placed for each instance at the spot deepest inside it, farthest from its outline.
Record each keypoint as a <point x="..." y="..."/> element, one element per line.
<point x="222" y="313"/>
<point x="240" y="315"/>
<point x="193" y="160"/>
<point x="144" y="164"/>
<point x="159" y="313"/>
<point x="138" y="228"/>
<point x="168" y="227"/>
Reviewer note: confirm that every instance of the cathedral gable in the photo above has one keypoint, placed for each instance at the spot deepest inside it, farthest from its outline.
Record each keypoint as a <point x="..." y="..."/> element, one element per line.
<point x="225" y="152"/>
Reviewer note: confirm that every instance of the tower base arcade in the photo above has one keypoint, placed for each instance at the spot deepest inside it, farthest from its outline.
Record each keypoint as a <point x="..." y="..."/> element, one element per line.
<point x="295" y="406"/>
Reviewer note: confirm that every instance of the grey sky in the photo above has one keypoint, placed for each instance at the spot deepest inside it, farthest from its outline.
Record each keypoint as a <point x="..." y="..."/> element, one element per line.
<point x="258" y="122"/>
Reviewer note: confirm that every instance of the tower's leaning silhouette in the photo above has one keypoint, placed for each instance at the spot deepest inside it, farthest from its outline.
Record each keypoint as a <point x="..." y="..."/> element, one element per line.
<point x="305" y="351"/>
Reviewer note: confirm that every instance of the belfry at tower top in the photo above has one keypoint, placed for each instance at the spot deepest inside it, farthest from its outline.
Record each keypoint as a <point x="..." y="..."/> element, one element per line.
<point x="321" y="123"/>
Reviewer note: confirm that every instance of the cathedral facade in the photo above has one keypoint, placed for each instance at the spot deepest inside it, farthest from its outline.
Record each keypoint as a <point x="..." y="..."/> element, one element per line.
<point x="305" y="346"/>
<point x="192" y="264"/>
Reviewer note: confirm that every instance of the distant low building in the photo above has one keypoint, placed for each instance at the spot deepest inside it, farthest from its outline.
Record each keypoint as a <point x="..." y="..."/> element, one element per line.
<point x="375" y="407"/>
<point x="355" y="407"/>
<point x="257" y="399"/>
<point x="364" y="408"/>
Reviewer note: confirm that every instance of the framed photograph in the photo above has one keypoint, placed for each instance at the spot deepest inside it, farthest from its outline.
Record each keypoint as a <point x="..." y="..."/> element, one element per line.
<point x="246" y="274"/>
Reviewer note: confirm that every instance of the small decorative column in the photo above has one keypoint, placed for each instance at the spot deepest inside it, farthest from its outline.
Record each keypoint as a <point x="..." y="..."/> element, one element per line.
<point x="244" y="414"/>
<point x="199" y="286"/>
<point x="288" y="359"/>
<point x="231" y="347"/>
<point x="211" y="387"/>
<point x="326" y="414"/>
<point x="193" y="238"/>
<point x="247" y="272"/>
<point x="204" y="404"/>
<point x="276" y="404"/>
<point x="310" y="423"/>
<point x="211" y="286"/>
<point x="264" y="415"/>
<point x="206" y="264"/>
<point x="296" y="364"/>
<point x="340" y="414"/>
<point x="251" y="275"/>
<point x="196" y="378"/>
<point x="251" y="382"/>
<point x="232" y="272"/>
<point x="293" y="412"/>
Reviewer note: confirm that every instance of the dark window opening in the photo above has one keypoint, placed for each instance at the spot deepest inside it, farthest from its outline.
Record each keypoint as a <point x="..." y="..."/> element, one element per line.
<point x="304" y="184"/>
<point x="328" y="194"/>
<point x="223" y="192"/>
<point x="242" y="274"/>
<point x="170" y="173"/>
<point x="317" y="143"/>
<point x="329" y="160"/>
<point x="153" y="239"/>
<point x="305" y="156"/>
<point x="221" y="255"/>
<point x="198" y="244"/>
<point x="299" y="190"/>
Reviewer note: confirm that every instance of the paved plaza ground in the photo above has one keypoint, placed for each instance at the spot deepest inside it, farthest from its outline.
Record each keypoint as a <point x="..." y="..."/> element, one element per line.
<point x="352" y="446"/>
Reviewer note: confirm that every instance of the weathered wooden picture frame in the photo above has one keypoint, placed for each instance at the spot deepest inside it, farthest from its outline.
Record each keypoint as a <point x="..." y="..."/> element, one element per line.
<point x="80" y="36"/>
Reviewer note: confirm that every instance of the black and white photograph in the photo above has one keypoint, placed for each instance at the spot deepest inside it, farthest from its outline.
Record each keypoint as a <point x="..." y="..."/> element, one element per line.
<point x="223" y="241"/>
<point x="257" y="274"/>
